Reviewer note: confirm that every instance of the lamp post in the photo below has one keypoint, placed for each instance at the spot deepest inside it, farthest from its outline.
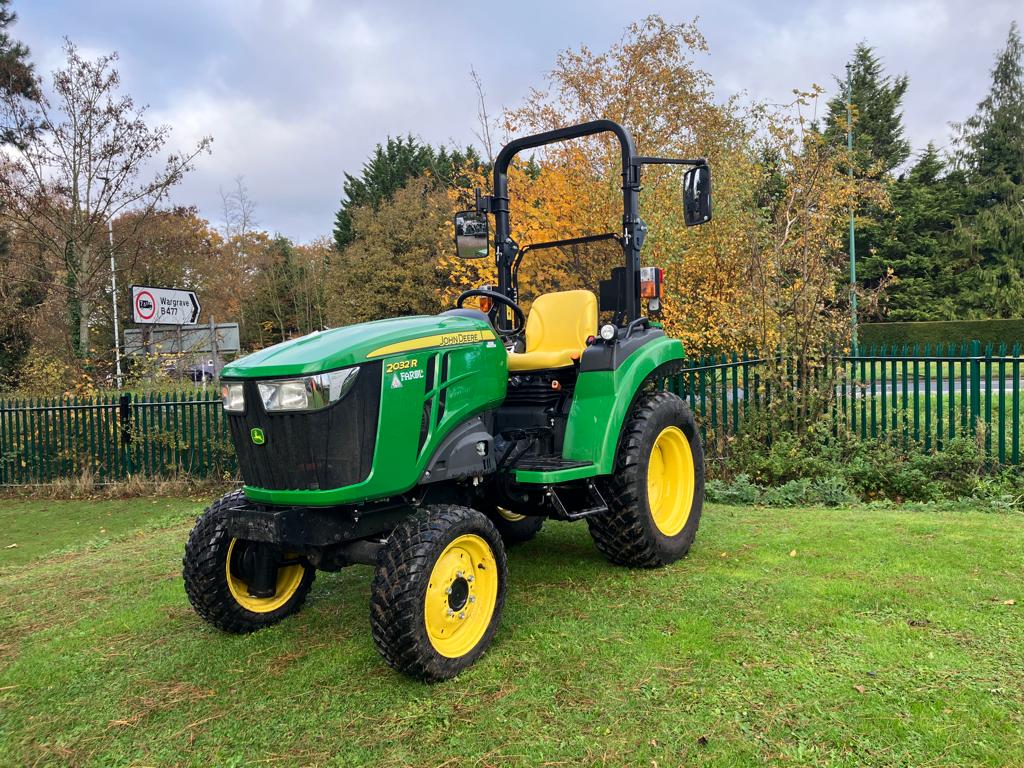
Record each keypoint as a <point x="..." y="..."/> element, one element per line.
<point x="113" y="289"/>
<point x="113" y="299"/>
<point x="853" y="245"/>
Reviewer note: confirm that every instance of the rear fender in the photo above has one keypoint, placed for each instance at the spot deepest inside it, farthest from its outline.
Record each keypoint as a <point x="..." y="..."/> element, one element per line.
<point x="602" y="400"/>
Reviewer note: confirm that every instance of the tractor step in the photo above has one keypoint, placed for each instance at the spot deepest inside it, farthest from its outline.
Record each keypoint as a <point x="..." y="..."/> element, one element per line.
<point x="577" y="503"/>
<point x="547" y="464"/>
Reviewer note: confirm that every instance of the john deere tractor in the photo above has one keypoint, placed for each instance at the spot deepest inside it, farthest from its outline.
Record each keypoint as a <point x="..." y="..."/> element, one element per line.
<point x="422" y="446"/>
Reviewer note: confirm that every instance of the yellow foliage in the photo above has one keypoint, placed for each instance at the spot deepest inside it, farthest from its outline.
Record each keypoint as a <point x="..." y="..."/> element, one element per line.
<point x="762" y="272"/>
<point x="649" y="83"/>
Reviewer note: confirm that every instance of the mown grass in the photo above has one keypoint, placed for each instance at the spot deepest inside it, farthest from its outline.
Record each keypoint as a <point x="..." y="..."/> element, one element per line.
<point x="844" y="637"/>
<point x="29" y="529"/>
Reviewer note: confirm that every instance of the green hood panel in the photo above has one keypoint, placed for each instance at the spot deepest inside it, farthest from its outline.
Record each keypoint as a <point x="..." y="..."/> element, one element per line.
<point x="353" y="344"/>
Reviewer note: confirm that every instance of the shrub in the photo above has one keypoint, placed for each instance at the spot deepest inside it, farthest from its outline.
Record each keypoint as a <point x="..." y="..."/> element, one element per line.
<point x="825" y="467"/>
<point x="739" y="491"/>
<point x="832" y="491"/>
<point x="795" y="493"/>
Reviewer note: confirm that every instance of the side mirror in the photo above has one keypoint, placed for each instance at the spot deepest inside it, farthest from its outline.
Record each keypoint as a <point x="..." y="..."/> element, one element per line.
<point x="471" y="235"/>
<point x="697" y="196"/>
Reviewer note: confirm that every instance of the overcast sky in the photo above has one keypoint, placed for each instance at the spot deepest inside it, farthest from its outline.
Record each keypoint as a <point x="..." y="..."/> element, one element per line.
<point x="298" y="91"/>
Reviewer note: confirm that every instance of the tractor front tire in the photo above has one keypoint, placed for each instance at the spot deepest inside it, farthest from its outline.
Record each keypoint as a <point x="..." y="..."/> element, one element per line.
<point x="656" y="494"/>
<point x="514" y="526"/>
<point x="438" y="592"/>
<point x="214" y="571"/>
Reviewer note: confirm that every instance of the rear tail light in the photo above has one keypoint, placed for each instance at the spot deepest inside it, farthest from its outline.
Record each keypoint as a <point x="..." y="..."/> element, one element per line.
<point x="650" y="282"/>
<point x="651" y="279"/>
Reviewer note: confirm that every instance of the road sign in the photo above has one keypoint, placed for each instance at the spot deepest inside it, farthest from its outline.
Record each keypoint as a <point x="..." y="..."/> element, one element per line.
<point x="169" y="341"/>
<point x="164" y="306"/>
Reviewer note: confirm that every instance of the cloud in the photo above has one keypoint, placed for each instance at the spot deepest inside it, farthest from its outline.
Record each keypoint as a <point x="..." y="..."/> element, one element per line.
<point x="297" y="93"/>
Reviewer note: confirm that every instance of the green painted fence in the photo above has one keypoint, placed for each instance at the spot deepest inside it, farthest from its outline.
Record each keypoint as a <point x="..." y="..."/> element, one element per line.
<point x="112" y="437"/>
<point x="930" y="394"/>
<point x="924" y="396"/>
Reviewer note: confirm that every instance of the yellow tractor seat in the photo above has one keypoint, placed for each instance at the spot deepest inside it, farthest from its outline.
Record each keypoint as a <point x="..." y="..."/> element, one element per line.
<point x="556" y="331"/>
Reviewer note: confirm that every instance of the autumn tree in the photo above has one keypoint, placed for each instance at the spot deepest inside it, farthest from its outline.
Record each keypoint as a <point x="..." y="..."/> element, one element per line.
<point x="391" y="268"/>
<point x="85" y="155"/>
<point x="649" y="81"/>
<point x="21" y="284"/>
<point x="795" y="260"/>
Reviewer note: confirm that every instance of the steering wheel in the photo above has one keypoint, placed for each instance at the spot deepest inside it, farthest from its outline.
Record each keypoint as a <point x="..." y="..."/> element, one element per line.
<point x="519" y="317"/>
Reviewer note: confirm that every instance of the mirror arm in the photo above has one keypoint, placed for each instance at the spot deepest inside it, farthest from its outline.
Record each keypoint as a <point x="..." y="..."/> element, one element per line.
<point x="671" y="161"/>
<point x="484" y="203"/>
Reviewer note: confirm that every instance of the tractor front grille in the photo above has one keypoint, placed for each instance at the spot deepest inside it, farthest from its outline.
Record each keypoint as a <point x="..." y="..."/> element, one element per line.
<point x="323" y="450"/>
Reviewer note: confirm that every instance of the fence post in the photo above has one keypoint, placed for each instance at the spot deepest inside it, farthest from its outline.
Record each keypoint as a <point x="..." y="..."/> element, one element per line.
<point x="975" y="353"/>
<point x="124" y="412"/>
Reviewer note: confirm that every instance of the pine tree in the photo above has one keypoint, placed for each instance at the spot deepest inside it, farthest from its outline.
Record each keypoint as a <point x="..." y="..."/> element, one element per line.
<point x="389" y="168"/>
<point x="878" y="143"/>
<point x="916" y="243"/>
<point x="879" y="148"/>
<point x="990" y="153"/>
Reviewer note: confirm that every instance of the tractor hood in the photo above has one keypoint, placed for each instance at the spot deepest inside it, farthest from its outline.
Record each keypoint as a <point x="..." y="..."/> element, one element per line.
<point x="354" y="344"/>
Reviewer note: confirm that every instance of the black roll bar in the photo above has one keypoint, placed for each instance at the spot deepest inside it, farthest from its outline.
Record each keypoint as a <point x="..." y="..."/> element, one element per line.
<point x="633" y="228"/>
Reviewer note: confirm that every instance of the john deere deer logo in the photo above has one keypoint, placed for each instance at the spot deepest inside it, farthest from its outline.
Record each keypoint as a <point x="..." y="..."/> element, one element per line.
<point x="258" y="438"/>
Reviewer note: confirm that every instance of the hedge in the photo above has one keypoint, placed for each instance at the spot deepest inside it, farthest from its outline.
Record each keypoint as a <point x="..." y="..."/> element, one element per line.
<point x="942" y="332"/>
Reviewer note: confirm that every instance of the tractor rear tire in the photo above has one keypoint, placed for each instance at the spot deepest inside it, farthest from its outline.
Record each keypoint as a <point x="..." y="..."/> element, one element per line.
<point x="438" y="592"/>
<point x="214" y="576"/>
<point x="514" y="526"/>
<point x="656" y="494"/>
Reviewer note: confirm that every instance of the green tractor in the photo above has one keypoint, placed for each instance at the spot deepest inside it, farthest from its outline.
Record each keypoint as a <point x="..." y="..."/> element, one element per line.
<point x="424" y="445"/>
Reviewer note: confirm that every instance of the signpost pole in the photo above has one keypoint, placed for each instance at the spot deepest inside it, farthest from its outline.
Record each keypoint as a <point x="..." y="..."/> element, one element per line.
<point x="180" y="366"/>
<point x="113" y="299"/>
<point x="213" y="348"/>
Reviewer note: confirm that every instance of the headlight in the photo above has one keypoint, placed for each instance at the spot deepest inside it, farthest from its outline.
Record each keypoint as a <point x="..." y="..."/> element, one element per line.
<point x="232" y="394"/>
<point x="609" y="332"/>
<point x="310" y="393"/>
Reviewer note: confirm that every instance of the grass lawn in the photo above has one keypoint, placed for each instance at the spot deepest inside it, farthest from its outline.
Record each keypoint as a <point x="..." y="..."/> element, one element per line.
<point x="842" y="637"/>
<point x="29" y="529"/>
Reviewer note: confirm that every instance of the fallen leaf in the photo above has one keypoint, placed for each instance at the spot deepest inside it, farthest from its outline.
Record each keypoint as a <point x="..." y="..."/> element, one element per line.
<point x="11" y="546"/>
<point x="860" y="689"/>
<point x="1009" y="602"/>
<point x="702" y="741"/>
<point x="722" y="555"/>
<point x="792" y="553"/>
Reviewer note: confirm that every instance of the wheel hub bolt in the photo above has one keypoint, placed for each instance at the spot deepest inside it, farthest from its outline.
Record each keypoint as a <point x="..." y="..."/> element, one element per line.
<point x="472" y="598"/>
<point x="462" y="614"/>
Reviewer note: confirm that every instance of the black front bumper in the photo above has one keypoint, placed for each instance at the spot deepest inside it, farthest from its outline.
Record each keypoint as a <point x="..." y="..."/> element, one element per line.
<point x="311" y="527"/>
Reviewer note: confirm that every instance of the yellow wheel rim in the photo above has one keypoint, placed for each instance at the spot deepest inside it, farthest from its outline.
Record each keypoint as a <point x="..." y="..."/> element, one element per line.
<point x="288" y="580"/>
<point x="512" y="517"/>
<point x="461" y="596"/>
<point x="670" y="481"/>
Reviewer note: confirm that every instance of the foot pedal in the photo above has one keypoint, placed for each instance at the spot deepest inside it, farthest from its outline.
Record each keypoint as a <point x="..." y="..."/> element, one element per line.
<point x="594" y="503"/>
